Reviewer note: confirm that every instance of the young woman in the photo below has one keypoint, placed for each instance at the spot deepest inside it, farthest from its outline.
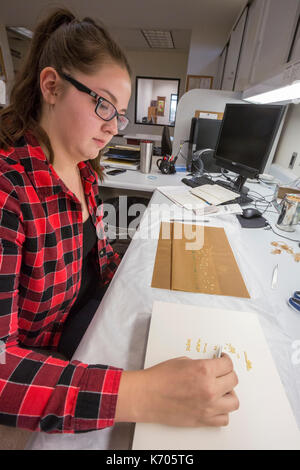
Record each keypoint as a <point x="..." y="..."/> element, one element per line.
<point x="66" y="105"/>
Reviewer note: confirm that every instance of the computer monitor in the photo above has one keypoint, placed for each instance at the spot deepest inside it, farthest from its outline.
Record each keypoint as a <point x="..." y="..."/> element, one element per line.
<point x="206" y="133"/>
<point x="203" y="135"/>
<point x="246" y="137"/>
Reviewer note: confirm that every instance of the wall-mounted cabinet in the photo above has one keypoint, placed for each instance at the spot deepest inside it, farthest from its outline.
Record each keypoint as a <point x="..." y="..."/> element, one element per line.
<point x="249" y="45"/>
<point x="275" y="38"/>
<point x="265" y="37"/>
<point x="221" y="67"/>
<point x="294" y="53"/>
<point x="233" y="53"/>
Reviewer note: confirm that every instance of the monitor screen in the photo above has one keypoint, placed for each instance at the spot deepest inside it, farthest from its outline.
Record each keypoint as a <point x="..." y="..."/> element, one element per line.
<point x="206" y="133"/>
<point x="246" y="137"/>
<point x="203" y="135"/>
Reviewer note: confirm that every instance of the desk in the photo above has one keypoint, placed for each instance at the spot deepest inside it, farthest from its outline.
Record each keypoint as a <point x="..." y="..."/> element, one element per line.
<point x="136" y="180"/>
<point x="118" y="332"/>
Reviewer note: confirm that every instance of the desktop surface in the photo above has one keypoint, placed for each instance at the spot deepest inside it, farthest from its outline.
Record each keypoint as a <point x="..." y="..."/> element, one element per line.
<point x="136" y="180"/>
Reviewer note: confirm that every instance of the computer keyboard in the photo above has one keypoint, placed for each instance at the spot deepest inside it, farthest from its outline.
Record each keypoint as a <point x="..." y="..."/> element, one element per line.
<point x="196" y="181"/>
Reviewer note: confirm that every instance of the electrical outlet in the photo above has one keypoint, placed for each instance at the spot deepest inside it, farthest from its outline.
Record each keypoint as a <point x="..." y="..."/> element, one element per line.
<point x="293" y="160"/>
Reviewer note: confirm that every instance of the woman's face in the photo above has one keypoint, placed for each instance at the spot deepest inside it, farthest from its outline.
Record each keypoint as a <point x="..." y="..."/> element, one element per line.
<point x="75" y="126"/>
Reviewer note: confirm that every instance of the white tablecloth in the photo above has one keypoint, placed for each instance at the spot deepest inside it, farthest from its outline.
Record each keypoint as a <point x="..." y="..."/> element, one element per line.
<point x="118" y="332"/>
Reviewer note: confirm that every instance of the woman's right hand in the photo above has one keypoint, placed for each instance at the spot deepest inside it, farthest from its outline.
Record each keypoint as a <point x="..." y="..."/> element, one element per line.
<point x="179" y="392"/>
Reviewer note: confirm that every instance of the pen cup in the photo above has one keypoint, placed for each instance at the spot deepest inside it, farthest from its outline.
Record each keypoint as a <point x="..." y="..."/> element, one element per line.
<point x="146" y="148"/>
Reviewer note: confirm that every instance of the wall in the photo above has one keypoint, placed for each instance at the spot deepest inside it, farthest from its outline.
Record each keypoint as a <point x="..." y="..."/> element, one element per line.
<point x="204" y="53"/>
<point x="145" y="89"/>
<point x="289" y="141"/>
<point x="166" y="64"/>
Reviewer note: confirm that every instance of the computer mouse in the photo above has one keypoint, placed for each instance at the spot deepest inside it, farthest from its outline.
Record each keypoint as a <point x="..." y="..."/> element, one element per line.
<point x="250" y="212"/>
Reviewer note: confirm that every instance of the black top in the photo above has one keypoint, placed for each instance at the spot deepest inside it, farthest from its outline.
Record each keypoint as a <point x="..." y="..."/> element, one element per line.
<point x="89" y="272"/>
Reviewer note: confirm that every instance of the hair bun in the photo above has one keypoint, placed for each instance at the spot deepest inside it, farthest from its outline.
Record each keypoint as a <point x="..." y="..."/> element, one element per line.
<point x="56" y="19"/>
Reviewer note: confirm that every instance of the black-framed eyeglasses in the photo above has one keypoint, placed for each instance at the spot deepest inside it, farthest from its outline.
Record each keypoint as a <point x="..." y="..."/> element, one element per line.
<point x="104" y="108"/>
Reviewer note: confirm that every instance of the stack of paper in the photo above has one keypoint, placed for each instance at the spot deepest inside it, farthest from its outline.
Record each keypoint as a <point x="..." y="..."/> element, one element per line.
<point x="115" y="163"/>
<point x="121" y="156"/>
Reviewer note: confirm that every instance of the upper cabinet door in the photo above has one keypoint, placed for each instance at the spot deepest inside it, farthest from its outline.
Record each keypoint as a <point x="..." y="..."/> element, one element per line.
<point x="233" y="54"/>
<point x="221" y="67"/>
<point x="294" y="53"/>
<point x="275" y="37"/>
<point x="250" y="44"/>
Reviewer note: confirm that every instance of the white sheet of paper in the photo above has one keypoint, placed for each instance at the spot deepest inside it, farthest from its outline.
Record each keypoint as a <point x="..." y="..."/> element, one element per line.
<point x="264" y="419"/>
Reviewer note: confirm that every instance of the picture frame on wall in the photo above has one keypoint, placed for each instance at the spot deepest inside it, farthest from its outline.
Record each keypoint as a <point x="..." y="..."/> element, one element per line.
<point x="161" y="103"/>
<point x="199" y="81"/>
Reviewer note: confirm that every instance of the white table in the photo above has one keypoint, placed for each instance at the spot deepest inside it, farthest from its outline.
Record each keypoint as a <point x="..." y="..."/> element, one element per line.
<point x="136" y="180"/>
<point x="118" y="332"/>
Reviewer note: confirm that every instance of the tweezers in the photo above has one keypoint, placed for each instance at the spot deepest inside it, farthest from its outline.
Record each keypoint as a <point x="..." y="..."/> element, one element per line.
<point x="274" y="277"/>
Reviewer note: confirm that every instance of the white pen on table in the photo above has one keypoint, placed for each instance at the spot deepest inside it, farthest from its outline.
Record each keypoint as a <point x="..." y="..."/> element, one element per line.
<point x="189" y="220"/>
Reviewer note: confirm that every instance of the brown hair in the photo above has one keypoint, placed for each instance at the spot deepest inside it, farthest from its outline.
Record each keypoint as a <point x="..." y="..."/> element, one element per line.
<point x="64" y="43"/>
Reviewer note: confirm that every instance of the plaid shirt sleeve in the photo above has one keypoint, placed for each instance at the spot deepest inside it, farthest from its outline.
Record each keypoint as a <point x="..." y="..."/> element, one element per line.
<point x="38" y="392"/>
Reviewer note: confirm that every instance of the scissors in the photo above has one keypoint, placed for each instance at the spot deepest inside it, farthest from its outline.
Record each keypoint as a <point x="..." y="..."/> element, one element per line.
<point x="294" y="302"/>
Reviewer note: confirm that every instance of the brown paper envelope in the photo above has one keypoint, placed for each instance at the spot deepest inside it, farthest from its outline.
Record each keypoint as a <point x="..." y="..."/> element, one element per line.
<point x="185" y="256"/>
<point x="162" y="268"/>
<point x="210" y="269"/>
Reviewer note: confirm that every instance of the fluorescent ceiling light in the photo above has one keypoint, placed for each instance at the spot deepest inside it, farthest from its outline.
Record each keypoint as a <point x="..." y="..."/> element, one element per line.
<point x="289" y="92"/>
<point x="158" y="39"/>
<point x="22" y="31"/>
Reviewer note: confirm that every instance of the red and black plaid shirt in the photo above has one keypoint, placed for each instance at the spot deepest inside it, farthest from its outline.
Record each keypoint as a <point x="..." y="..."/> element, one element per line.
<point x="41" y="239"/>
